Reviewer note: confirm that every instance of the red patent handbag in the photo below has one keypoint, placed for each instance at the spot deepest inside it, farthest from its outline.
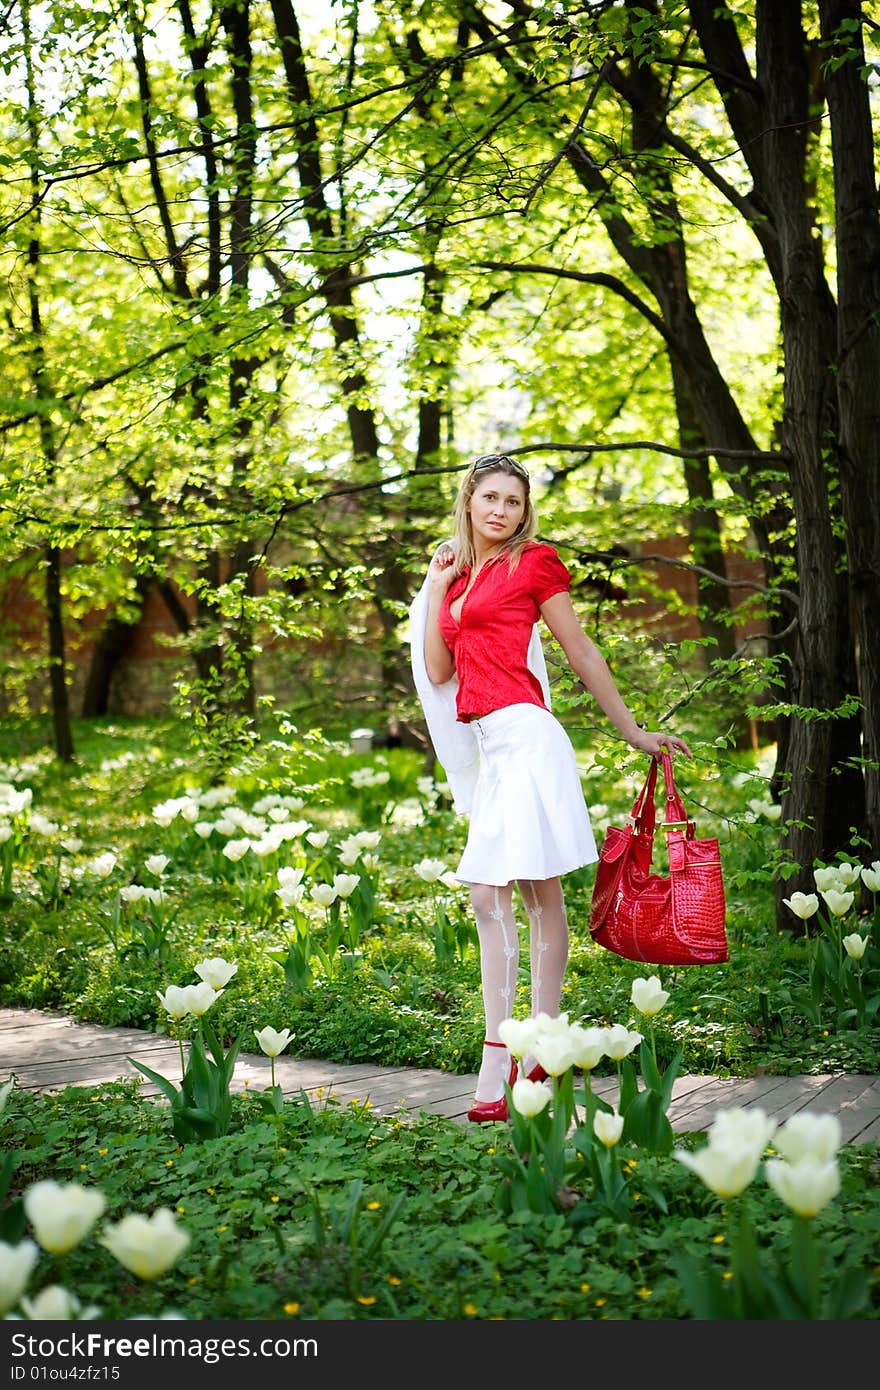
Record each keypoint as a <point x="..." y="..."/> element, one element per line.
<point x="664" y="920"/>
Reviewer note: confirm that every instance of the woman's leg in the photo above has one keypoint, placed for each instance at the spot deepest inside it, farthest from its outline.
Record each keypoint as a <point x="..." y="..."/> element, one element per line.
<point x="544" y="903"/>
<point x="499" y="963"/>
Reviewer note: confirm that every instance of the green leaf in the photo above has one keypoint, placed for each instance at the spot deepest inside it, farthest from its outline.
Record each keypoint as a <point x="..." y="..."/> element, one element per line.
<point x="702" y="1287"/>
<point x="168" y="1089"/>
<point x="647" y="1125"/>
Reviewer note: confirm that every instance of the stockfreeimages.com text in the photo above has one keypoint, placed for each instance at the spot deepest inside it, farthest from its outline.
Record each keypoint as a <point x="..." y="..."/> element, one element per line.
<point x="210" y="1350"/>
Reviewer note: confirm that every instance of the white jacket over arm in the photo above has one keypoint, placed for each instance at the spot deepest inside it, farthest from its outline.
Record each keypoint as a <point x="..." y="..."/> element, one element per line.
<point x="455" y="743"/>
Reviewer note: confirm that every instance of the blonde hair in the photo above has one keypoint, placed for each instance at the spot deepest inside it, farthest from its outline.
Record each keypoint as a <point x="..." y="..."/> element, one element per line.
<point x="482" y="467"/>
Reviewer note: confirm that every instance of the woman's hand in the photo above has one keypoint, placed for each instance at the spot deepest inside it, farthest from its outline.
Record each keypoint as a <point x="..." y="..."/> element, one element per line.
<point x="655" y="744"/>
<point x="442" y="570"/>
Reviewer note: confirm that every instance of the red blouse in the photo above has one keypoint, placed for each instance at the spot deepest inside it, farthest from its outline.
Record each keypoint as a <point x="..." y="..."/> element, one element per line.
<point x="490" y="643"/>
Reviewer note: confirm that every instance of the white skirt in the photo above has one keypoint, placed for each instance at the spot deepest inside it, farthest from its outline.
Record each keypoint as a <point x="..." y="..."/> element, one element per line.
<point x="528" y="818"/>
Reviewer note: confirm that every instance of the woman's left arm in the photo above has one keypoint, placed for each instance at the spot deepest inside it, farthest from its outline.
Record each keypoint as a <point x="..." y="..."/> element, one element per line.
<point x="591" y="669"/>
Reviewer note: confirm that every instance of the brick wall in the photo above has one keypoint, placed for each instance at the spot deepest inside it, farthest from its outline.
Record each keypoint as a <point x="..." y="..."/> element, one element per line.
<point x="142" y="684"/>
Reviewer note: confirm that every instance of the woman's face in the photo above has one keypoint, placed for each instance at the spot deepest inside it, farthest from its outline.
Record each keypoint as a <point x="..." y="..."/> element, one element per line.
<point x="497" y="507"/>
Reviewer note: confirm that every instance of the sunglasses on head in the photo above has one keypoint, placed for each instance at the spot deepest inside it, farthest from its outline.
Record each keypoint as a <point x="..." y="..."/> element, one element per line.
<point x="493" y="460"/>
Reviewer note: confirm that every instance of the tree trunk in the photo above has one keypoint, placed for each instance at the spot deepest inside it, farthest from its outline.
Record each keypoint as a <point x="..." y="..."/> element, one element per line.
<point x="60" y="703"/>
<point x="390" y="585"/>
<point x="57" y="659"/>
<point x="669" y="282"/>
<point x="858" y="365"/>
<point x="111" y="647"/>
<point x="808" y="331"/>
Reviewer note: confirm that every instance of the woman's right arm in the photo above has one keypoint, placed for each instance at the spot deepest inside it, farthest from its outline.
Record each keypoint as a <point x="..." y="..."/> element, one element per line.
<point x="439" y="661"/>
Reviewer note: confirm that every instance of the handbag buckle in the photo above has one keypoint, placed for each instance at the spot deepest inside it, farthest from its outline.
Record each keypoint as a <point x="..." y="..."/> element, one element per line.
<point x="673" y="825"/>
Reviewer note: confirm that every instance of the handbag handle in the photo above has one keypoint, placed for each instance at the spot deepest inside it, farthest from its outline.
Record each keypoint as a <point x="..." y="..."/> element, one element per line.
<point x="674" y="805"/>
<point x="643" y="814"/>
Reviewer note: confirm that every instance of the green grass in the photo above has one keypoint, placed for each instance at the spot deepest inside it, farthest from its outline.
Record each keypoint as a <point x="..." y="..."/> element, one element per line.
<point x="399" y="1001"/>
<point x="286" y="1216"/>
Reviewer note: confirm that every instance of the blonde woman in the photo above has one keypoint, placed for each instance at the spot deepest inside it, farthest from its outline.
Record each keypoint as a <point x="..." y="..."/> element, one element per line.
<point x="476" y="648"/>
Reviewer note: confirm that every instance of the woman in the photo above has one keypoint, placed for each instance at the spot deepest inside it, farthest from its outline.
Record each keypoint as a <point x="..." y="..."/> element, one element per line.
<point x="476" y="648"/>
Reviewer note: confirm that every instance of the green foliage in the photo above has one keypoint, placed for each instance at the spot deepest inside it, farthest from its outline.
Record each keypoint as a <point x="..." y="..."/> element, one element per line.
<point x="782" y="1287"/>
<point x="201" y="1107"/>
<point x="400" y="983"/>
<point x="354" y="1216"/>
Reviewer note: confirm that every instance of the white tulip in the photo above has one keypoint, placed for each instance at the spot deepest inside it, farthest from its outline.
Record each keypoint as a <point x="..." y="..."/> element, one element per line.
<point x="13" y="802"/>
<point x="267" y="844"/>
<point x="216" y="971"/>
<point x="216" y="796"/>
<point x="175" y="1001"/>
<point x="839" y="903"/>
<point x="805" y="1187"/>
<point x="345" y="884"/>
<point x="102" y="865"/>
<point x="273" y="1042"/>
<point x="827" y="878"/>
<point x="291" y="895"/>
<point x="607" y="1127"/>
<point x="854" y="945"/>
<point x="157" y="864"/>
<point x="236" y="849"/>
<point x="871" y="880"/>
<point x="430" y="869"/>
<point x="648" y="996"/>
<point x="620" y="1041"/>
<point x="200" y="997"/>
<point x="803" y="905"/>
<point x="548" y="1024"/>
<point x="146" y="1245"/>
<point x="530" y="1097"/>
<point x="518" y="1035"/>
<point x="16" y="1264"/>
<point x="588" y="1046"/>
<point x="750" y="1127"/>
<point x="289" y="877"/>
<point x="554" y="1052"/>
<point x="725" y="1168"/>
<point x="809" y="1136"/>
<point x="324" y="894"/>
<point x="57" y="1304"/>
<point x="318" y="838"/>
<point x="849" y="874"/>
<point x="62" y="1214"/>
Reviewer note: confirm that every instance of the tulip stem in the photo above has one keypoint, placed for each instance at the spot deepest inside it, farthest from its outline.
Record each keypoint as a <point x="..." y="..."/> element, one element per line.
<point x="805" y="1264"/>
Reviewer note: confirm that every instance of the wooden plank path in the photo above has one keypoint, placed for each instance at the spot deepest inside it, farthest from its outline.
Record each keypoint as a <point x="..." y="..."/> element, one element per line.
<point x="47" y="1052"/>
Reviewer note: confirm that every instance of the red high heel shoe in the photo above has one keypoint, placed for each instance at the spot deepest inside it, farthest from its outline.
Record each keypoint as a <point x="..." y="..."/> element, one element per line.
<point x="483" y="1110"/>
